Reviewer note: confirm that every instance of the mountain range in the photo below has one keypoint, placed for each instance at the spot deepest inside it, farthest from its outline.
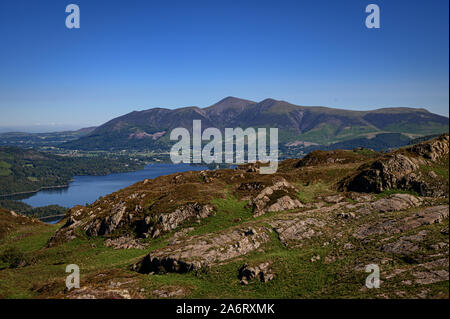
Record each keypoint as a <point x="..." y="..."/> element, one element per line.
<point x="298" y="125"/>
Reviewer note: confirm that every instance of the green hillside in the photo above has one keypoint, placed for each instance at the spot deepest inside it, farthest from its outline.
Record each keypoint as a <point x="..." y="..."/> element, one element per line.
<point x="150" y="129"/>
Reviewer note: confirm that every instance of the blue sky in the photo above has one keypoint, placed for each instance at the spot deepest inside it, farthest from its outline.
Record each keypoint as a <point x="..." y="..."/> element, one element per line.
<point x="134" y="55"/>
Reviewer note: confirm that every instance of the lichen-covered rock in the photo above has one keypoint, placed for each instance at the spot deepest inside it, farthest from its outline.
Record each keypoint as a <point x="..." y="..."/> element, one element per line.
<point x="99" y="293"/>
<point x="333" y="199"/>
<point x="284" y="203"/>
<point x="402" y="247"/>
<point x="430" y="277"/>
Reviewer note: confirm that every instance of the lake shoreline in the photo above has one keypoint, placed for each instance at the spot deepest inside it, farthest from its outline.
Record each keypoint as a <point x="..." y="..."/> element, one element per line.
<point x="37" y="191"/>
<point x="87" y="189"/>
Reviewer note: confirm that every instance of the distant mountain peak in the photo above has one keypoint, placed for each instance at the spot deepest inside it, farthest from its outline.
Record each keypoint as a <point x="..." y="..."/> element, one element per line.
<point x="269" y="101"/>
<point x="228" y="103"/>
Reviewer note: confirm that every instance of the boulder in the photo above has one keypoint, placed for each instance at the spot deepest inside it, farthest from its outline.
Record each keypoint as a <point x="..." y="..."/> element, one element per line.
<point x="262" y="271"/>
<point x="203" y="251"/>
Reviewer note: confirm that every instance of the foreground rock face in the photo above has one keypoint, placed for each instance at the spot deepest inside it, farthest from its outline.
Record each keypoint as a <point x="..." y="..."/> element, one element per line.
<point x="401" y="170"/>
<point x="292" y="231"/>
<point x="393" y="203"/>
<point x="201" y="221"/>
<point x="427" y="216"/>
<point x="203" y="251"/>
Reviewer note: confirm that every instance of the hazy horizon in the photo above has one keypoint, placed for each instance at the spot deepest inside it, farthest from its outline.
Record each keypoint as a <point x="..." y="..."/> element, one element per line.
<point x="60" y="127"/>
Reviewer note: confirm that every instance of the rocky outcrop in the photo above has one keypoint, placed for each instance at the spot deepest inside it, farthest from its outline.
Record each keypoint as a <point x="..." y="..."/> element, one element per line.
<point x="204" y="251"/>
<point x="124" y="243"/>
<point x="385" y="173"/>
<point x="401" y="170"/>
<point x="144" y="226"/>
<point x="393" y="203"/>
<point x="433" y="149"/>
<point x="263" y="272"/>
<point x="107" y="224"/>
<point x="431" y="277"/>
<point x="427" y="216"/>
<point x="277" y="197"/>
<point x="154" y="226"/>
<point x="93" y="226"/>
<point x="333" y="199"/>
<point x="295" y="229"/>
<point x="99" y="293"/>
<point x="319" y="157"/>
<point x="402" y="247"/>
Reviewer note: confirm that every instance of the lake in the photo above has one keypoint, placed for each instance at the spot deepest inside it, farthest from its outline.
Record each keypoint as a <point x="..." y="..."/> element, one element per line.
<point x="87" y="189"/>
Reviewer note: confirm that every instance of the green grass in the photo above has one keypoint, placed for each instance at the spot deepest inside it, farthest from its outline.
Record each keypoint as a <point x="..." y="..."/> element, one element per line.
<point x="366" y="152"/>
<point x="229" y="212"/>
<point x="5" y="168"/>
<point x="308" y="194"/>
<point x="4" y="164"/>
<point x="5" y="172"/>
<point x="440" y="168"/>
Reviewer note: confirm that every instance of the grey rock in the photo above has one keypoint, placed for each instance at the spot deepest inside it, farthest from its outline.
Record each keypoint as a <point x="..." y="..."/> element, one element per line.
<point x="402" y="247"/>
<point x="203" y="251"/>
<point x="262" y="271"/>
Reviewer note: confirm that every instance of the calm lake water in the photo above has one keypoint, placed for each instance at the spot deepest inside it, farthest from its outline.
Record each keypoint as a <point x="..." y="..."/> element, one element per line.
<point x="87" y="189"/>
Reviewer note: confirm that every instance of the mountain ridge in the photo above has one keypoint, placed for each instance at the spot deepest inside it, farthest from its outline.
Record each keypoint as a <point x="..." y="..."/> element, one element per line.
<point x="317" y="124"/>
